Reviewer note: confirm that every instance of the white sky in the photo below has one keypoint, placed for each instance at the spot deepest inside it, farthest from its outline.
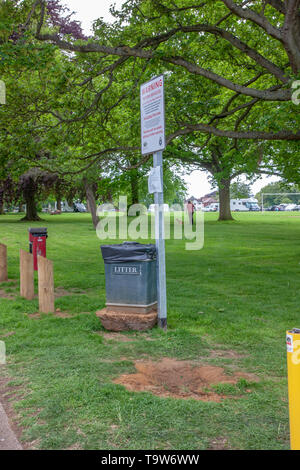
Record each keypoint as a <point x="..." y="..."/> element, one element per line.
<point x="89" y="10"/>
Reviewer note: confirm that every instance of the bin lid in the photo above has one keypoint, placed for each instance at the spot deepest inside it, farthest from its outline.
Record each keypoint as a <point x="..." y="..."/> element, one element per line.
<point x="40" y="231"/>
<point x="128" y="251"/>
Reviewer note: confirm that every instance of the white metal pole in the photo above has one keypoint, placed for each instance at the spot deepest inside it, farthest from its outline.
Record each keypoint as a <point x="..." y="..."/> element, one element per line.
<point x="160" y="248"/>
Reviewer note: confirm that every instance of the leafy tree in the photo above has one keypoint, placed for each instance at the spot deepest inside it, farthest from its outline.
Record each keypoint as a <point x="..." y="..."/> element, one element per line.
<point x="278" y="187"/>
<point x="228" y="68"/>
<point x="247" y="53"/>
<point x="239" y="190"/>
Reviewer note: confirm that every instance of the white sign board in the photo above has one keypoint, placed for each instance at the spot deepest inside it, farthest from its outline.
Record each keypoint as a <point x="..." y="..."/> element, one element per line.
<point x="153" y="115"/>
<point x="154" y="181"/>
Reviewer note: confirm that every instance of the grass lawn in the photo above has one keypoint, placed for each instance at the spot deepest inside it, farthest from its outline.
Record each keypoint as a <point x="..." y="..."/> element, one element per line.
<point x="229" y="305"/>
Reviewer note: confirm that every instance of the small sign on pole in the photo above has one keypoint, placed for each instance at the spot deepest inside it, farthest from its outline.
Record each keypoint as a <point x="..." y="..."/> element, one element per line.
<point x="153" y="141"/>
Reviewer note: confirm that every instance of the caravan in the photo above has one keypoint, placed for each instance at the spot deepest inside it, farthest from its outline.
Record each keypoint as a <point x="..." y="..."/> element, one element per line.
<point x="244" y="205"/>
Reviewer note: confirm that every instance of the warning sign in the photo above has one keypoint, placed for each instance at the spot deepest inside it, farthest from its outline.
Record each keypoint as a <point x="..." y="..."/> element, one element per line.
<point x="152" y="115"/>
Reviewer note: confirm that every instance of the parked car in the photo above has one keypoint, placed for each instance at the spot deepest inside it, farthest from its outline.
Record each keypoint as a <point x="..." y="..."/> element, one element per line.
<point x="290" y="207"/>
<point x="273" y="208"/>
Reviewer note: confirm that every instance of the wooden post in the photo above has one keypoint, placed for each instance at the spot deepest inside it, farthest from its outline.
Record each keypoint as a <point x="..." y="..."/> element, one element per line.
<point x="46" y="285"/>
<point x="26" y="275"/>
<point x="3" y="263"/>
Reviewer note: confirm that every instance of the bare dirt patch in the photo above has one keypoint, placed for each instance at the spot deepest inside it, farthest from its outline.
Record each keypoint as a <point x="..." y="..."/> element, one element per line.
<point x="6" y="335"/>
<point x="58" y="313"/>
<point x="33" y="315"/>
<point x="6" y="286"/>
<point x="219" y="444"/>
<point x="7" y="295"/>
<point x="180" y="379"/>
<point x="117" y="337"/>
<point x="226" y="354"/>
<point x="75" y="446"/>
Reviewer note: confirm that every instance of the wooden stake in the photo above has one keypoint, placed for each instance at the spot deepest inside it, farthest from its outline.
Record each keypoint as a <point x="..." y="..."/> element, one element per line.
<point x="26" y="275"/>
<point x="46" y="285"/>
<point x="3" y="263"/>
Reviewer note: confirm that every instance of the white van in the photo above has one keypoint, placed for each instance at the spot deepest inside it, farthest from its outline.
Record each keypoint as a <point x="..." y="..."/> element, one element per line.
<point x="244" y="205"/>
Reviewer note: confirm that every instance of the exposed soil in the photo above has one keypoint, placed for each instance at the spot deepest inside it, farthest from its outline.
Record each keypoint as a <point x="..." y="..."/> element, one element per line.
<point x="180" y="379"/>
<point x="10" y="284"/>
<point x="117" y="337"/>
<point x="219" y="444"/>
<point x="7" y="295"/>
<point x="33" y="315"/>
<point x="6" y="335"/>
<point x="58" y="291"/>
<point x="57" y="313"/>
<point x="226" y="354"/>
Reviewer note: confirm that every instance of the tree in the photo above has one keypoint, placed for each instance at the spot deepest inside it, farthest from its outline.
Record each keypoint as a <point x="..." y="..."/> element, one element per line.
<point x="278" y="187"/>
<point x="238" y="61"/>
<point x="34" y="185"/>
<point x="239" y="190"/>
<point x="226" y="76"/>
<point x="250" y="52"/>
<point x="223" y="160"/>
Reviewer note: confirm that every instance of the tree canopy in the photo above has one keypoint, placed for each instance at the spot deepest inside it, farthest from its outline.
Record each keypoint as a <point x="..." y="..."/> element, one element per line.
<point x="229" y="70"/>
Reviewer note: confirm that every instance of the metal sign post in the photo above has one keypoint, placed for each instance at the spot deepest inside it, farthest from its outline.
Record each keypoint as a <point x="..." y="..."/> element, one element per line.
<point x="153" y="141"/>
<point x="160" y="248"/>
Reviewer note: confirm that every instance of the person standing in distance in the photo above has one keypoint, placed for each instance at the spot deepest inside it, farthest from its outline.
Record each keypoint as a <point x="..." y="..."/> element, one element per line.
<point x="191" y="210"/>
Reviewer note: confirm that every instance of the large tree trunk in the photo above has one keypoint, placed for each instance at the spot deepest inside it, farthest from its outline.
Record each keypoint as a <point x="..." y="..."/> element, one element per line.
<point x="91" y="200"/>
<point x="29" y="197"/>
<point x="224" y="200"/>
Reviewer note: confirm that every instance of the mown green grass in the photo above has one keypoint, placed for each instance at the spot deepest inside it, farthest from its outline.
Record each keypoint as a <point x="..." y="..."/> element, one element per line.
<point x="239" y="293"/>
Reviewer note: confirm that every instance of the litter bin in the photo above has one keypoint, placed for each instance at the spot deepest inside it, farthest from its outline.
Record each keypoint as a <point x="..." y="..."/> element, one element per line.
<point x="37" y="244"/>
<point x="130" y="277"/>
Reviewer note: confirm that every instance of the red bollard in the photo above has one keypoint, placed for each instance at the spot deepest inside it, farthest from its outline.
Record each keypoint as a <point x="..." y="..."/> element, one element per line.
<point x="37" y="244"/>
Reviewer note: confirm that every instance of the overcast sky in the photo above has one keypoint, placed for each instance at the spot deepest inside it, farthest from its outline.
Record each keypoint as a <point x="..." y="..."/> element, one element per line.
<point x="89" y="10"/>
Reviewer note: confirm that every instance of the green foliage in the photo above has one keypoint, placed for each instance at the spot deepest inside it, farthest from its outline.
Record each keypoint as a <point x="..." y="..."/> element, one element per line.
<point x="279" y="187"/>
<point x="239" y="190"/>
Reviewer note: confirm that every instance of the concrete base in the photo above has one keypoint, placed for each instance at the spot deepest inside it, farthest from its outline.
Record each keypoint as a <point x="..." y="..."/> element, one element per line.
<point x="131" y="308"/>
<point x="126" y="321"/>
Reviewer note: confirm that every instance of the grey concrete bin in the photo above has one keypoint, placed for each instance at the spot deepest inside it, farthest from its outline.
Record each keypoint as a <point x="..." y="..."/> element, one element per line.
<point x="130" y="276"/>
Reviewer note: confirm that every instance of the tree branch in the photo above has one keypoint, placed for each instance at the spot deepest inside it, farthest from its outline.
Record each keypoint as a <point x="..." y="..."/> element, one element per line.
<point x="266" y="95"/>
<point x="251" y="135"/>
<point x="243" y="47"/>
<point x="248" y="14"/>
<point x="278" y="5"/>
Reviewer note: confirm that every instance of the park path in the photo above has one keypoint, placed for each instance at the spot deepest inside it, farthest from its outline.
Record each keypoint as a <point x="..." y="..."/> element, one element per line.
<point x="8" y="440"/>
